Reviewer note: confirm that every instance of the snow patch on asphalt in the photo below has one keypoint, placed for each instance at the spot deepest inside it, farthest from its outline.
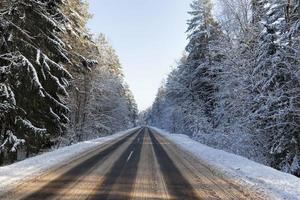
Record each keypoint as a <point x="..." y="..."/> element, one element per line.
<point x="277" y="184"/>
<point x="34" y="166"/>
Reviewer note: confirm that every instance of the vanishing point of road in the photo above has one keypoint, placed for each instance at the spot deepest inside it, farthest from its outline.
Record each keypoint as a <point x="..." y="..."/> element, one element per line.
<point x="140" y="165"/>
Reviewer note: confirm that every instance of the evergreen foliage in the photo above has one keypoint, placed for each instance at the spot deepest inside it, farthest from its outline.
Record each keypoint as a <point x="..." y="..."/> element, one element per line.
<point x="48" y="64"/>
<point x="238" y="86"/>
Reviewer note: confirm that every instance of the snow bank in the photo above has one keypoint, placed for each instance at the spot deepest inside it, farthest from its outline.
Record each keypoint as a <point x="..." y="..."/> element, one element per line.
<point x="276" y="184"/>
<point x="34" y="166"/>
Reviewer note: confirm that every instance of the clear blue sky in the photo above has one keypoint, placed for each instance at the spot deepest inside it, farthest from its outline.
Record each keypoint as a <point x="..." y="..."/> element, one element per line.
<point x="148" y="35"/>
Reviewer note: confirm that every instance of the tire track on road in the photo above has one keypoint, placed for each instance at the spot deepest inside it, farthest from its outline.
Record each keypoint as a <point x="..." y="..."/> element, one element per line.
<point x="149" y="184"/>
<point x="208" y="182"/>
<point x="50" y="190"/>
<point x="178" y="187"/>
<point x="119" y="181"/>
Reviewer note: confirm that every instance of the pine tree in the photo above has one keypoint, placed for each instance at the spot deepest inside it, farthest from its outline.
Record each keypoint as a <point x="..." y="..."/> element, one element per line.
<point x="244" y="90"/>
<point x="131" y="106"/>
<point x="202" y="30"/>
<point x="276" y="103"/>
<point x="82" y="53"/>
<point x="110" y="102"/>
<point x="189" y="97"/>
<point x="33" y="77"/>
<point x="204" y="35"/>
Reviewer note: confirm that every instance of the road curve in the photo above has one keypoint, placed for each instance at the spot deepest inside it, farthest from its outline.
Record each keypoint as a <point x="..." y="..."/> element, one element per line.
<point x="140" y="165"/>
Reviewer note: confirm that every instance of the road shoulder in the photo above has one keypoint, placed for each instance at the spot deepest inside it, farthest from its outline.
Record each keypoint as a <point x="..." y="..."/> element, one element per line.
<point x="34" y="168"/>
<point x="265" y="181"/>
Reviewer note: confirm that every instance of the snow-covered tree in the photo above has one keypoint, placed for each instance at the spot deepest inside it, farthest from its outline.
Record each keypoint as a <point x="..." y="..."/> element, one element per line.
<point x="111" y="104"/>
<point x="202" y="29"/>
<point x="83" y="53"/>
<point x="42" y="43"/>
<point x="190" y="89"/>
<point x="34" y="80"/>
<point x="32" y="76"/>
<point x="239" y="82"/>
<point x="203" y="34"/>
<point x="234" y="17"/>
<point x="275" y="102"/>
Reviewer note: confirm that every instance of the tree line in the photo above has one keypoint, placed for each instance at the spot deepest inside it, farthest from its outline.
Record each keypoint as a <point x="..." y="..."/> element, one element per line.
<point x="237" y="86"/>
<point x="58" y="83"/>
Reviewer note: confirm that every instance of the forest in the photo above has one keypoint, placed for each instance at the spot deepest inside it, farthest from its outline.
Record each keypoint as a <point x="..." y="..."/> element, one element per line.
<point x="59" y="84"/>
<point x="237" y="86"/>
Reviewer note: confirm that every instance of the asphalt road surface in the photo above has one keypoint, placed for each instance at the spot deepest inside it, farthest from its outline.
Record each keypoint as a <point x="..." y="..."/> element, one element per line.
<point x="140" y="165"/>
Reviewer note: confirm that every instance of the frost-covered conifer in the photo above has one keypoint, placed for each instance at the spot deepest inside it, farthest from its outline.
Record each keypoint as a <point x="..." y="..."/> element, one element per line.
<point x="111" y="104"/>
<point x="244" y="89"/>
<point x="32" y="75"/>
<point x="276" y="87"/>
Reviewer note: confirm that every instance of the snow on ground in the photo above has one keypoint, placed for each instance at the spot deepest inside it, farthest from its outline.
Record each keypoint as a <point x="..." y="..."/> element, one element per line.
<point x="277" y="184"/>
<point x="34" y="166"/>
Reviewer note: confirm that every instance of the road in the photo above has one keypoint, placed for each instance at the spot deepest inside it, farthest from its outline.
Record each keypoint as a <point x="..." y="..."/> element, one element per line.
<point x="140" y="165"/>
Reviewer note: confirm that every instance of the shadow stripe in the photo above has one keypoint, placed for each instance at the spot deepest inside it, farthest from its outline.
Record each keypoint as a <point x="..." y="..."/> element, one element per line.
<point x="177" y="186"/>
<point x="67" y="178"/>
<point x="122" y="174"/>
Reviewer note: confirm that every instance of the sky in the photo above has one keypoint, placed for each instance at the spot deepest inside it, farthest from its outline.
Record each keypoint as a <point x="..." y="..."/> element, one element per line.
<point x="148" y="36"/>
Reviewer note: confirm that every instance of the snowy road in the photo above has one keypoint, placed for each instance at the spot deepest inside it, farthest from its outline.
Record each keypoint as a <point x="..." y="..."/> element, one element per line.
<point x="141" y="164"/>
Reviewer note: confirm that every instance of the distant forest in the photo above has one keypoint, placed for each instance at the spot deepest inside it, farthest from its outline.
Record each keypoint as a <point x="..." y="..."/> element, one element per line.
<point x="58" y="83"/>
<point x="237" y="87"/>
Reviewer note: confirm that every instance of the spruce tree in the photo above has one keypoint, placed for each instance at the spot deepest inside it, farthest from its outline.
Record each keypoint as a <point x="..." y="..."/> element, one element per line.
<point x="204" y="34"/>
<point x="276" y="87"/>
<point x="33" y="78"/>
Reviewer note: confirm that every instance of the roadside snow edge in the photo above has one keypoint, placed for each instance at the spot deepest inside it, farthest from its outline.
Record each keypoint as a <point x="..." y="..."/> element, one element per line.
<point x="277" y="184"/>
<point x="18" y="172"/>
